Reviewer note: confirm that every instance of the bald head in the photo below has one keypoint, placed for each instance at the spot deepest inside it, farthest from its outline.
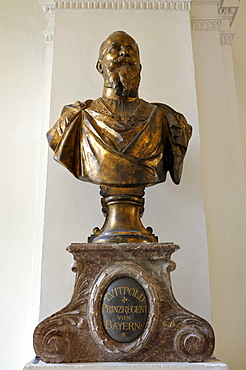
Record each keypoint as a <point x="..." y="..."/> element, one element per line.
<point x="117" y="36"/>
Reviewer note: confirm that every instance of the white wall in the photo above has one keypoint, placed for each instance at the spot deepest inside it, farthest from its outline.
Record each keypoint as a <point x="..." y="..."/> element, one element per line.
<point x="239" y="58"/>
<point x="22" y="80"/>
<point x="73" y="207"/>
<point x="23" y="169"/>
<point x="223" y="175"/>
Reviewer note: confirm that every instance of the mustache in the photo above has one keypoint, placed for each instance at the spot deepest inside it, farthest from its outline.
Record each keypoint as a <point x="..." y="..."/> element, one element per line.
<point x="125" y="80"/>
<point x="122" y="61"/>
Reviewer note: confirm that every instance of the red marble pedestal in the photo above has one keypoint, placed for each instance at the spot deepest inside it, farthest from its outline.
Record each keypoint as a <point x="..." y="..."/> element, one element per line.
<point x="80" y="332"/>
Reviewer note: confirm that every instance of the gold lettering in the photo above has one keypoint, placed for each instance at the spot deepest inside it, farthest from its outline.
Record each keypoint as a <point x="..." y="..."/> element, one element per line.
<point x="137" y="309"/>
<point x="126" y="309"/>
<point x="123" y="325"/>
<point x="137" y="325"/>
<point x="135" y="294"/>
<point x="111" y="309"/>
<point x="108" y="325"/>
<point x="123" y="317"/>
<point x="125" y="289"/>
<point x="123" y="309"/>
<point x="131" y="326"/>
<point x="111" y="296"/>
<point x="114" y="326"/>
<point x="120" y="288"/>
<point x="131" y="291"/>
<point x="141" y="298"/>
<point x="120" y="325"/>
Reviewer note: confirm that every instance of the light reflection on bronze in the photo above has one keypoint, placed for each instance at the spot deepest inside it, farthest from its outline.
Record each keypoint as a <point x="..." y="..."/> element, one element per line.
<point x="121" y="142"/>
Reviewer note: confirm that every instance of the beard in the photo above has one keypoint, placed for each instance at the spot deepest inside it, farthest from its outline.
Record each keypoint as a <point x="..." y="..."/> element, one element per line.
<point x="124" y="79"/>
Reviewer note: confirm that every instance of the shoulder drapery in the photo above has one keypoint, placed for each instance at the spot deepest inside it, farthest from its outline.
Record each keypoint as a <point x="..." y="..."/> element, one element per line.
<point x="180" y="132"/>
<point x="83" y="142"/>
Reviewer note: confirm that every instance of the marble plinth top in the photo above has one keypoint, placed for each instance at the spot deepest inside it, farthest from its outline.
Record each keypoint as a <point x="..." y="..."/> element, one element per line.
<point x="212" y="364"/>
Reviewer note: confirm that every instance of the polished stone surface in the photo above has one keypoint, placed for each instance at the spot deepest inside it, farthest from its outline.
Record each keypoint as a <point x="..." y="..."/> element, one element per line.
<point x="80" y="333"/>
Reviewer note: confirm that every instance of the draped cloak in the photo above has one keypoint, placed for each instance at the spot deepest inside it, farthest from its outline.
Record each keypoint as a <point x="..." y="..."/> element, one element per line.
<point x="99" y="145"/>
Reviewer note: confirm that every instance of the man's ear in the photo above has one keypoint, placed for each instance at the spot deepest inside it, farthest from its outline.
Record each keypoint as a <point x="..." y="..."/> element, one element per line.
<point x="99" y="66"/>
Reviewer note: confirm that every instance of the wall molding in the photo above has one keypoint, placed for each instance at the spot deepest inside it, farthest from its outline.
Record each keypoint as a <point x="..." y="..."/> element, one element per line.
<point x="48" y="36"/>
<point x="49" y="15"/>
<point x="226" y="38"/>
<point x="228" y="12"/>
<point x="212" y="24"/>
<point x="123" y="5"/>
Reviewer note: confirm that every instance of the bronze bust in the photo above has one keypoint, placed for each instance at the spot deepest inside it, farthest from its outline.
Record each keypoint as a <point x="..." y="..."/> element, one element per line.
<point x="121" y="142"/>
<point x="122" y="307"/>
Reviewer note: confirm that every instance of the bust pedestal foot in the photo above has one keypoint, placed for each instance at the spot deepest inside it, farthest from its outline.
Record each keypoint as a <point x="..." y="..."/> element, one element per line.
<point x="123" y="208"/>
<point x="123" y="309"/>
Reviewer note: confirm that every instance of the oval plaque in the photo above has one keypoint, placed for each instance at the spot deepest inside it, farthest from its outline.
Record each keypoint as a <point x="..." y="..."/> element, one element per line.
<point x="124" y="309"/>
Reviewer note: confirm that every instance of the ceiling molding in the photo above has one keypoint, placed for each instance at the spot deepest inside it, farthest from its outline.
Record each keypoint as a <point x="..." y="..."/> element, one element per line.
<point x="228" y="12"/>
<point x="123" y="5"/>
